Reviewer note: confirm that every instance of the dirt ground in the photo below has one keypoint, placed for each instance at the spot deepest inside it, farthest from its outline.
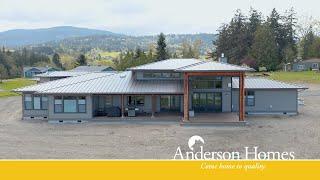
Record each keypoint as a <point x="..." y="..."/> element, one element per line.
<point x="41" y="140"/>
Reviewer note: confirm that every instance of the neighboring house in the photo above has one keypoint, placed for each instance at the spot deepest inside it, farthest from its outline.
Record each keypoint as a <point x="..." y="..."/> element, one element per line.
<point x="306" y="65"/>
<point x="93" y="68"/>
<point x="55" y="75"/>
<point x="80" y="70"/>
<point x="187" y="89"/>
<point x="30" y="72"/>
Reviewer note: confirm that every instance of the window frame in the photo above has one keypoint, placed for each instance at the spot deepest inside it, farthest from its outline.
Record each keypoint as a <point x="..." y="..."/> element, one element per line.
<point x="63" y="98"/>
<point x="250" y="96"/>
<point x="315" y="65"/>
<point x="24" y="102"/>
<point x="32" y="96"/>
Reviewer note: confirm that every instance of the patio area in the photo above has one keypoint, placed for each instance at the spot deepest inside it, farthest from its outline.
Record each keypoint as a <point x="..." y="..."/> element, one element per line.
<point x="214" y="118"/>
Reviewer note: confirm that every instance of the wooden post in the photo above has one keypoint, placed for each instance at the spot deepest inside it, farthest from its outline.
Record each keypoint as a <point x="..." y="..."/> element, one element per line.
<point x="186" y="97"/>
<point x="153" y="99"/>
<point x="241" y="97"/>
<point x="122" y="105"/>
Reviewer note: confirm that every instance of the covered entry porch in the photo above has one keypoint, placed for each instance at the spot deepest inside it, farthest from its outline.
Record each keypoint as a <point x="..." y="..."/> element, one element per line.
<point x="206" y="106"/>
<point x="137" y="106"/>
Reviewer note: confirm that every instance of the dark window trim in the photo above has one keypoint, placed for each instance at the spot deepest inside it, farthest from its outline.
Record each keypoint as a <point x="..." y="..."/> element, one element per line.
<point x="254" y="99"/>
<point x="32" y="102"/>
<point x="77" y="105"/>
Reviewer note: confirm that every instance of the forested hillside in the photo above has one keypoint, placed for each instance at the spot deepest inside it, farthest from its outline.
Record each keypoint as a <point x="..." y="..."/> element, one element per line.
<point x="121" y="42"/>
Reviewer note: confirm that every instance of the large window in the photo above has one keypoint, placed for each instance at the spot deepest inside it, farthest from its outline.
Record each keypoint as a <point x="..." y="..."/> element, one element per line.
<point x="250" y="98"/>
<point x="161" y="75"/>
<point x="70" y="104"/>
<point x="135" y="100"/>
<point x="207" y="82"/>
<point x="82" y="104"/>
<point x="28" y="102"/>
<point x="35" y="102"/>
<point x="58" y="104"/>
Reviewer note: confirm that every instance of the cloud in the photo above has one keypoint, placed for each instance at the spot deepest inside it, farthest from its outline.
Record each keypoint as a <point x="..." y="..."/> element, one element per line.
<point x="138" y="16"/>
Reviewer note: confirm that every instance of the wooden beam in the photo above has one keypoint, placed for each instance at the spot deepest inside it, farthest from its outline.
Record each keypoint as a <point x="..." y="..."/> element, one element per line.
<point x="122" y="106"/>
<point x="241" y="97"/>
<point x="186" y="97"/>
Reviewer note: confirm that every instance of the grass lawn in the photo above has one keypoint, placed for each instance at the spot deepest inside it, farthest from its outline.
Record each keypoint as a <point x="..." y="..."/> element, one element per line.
<point x="7" y="85"/>
<point x="112" y="54"/>
<point x="302" y="77"/>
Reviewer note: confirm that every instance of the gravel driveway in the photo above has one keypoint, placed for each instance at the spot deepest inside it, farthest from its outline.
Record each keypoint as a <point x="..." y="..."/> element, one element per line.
<point x="41" y="140"/>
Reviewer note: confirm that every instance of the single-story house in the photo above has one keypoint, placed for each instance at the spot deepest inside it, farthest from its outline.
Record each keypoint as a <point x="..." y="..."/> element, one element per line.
<point x="188" y="89"/>
<point x="30" y="72"/>
<point x="80" y="70"/>
<point x="306" y="65"/>
<point x="90" y="68"/>
<point x="55" y="75"/>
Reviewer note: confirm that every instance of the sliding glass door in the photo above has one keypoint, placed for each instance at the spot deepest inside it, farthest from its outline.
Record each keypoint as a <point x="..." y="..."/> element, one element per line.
<point x="170" y="103"/>
<point x="207" y="101"/>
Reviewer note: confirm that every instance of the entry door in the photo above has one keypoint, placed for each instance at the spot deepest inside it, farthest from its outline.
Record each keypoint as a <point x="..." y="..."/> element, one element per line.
<point x="207" y="102"/>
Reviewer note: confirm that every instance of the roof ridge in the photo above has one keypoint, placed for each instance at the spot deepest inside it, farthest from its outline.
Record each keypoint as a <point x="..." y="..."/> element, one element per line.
<point x="190" y="65"/>
<point x="131" y="68"/>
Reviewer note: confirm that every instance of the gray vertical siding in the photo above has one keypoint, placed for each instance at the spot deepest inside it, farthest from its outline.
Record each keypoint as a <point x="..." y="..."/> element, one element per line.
<point x="269" y="101"/>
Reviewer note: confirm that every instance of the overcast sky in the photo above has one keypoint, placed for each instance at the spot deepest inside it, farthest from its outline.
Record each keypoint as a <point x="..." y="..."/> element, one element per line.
<point x="139" y="17"/>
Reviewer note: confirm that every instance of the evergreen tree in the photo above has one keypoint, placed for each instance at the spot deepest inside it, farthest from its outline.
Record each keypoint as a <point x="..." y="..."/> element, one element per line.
<point x="56" y="61"/>
<point x="82" y="60"/>
<point x="255" y="20"/>
<point x="264" y="48"/>
<point x="162" y="52"/>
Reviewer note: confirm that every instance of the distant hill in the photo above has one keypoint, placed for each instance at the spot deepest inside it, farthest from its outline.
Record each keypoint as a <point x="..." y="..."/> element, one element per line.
<point x="22" y="37"/>
<point x="72" y="40"/>
<point x="122" y="42"/>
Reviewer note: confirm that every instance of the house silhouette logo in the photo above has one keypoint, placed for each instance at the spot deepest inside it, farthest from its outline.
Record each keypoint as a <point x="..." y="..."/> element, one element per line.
<point x="193" y="140"/>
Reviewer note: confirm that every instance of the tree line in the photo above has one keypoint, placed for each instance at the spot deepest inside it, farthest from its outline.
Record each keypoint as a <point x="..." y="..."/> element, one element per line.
<point x="12" y="62"/>
<point x="131" y="58"/>
<point x="265" y="42"/>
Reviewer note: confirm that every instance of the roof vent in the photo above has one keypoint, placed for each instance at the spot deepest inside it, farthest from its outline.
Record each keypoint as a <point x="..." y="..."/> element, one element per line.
<point x="123" y="75"/>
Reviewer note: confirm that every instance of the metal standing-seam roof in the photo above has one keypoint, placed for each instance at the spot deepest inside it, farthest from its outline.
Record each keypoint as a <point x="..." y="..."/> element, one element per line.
<point x="169" y="64"/>
<point x="62" y="82"/>
<point x="213" y="66"/>
<point x="263" y="83"/>
<point x="121" y="83"/>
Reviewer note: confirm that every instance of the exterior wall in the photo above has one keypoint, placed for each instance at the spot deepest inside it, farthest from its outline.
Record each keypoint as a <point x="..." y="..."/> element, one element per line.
<point x="31" y="73"/>
<point x="307" y="66"/>
<point x="269" y="101"/>
<point x="39" y="114"/>
<point x="70" y="116"/>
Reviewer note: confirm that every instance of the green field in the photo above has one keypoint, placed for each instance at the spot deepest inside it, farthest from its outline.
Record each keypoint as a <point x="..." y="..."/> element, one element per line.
<point x="302" y="77"/>
<point x="7" y="85"/>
